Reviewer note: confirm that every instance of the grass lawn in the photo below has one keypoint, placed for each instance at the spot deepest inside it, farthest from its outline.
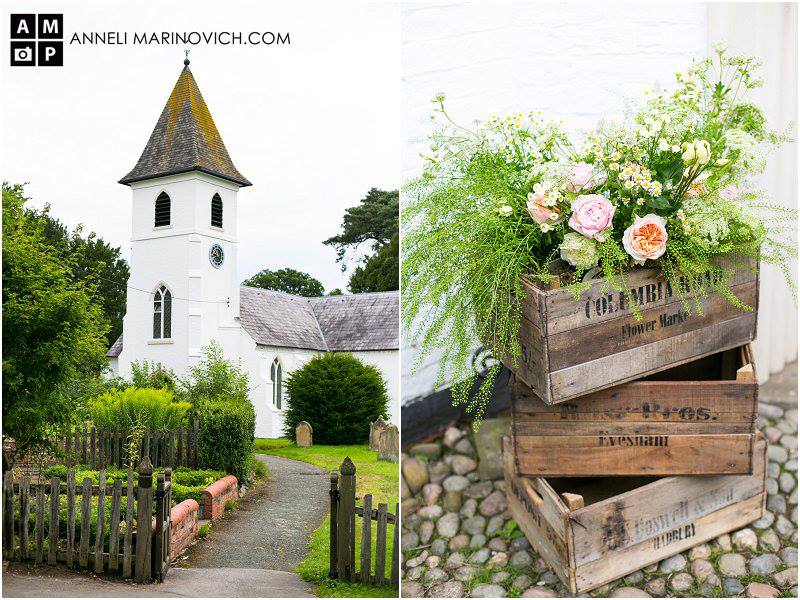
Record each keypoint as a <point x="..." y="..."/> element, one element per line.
<point x="381" y="479"/>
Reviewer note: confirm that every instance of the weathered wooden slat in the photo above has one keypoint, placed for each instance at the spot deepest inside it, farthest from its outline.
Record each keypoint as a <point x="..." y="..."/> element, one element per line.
<point x="366" y="540"/>
<point x="86" y="521"/>
<point x="380" y="546"/>
<point x="346" y="521"/>
<point x="144" y="512"/>
<point x="113" y="540"/>
<point x="99" y="546"/>
<point x="24" y="516"/>
<point x="8" y="515"/>
<point x="39" y="524"/>
<point x="127" y="545"/>
<point x="55" y="506"/>
<point x="71" y="496"/>
<point x="395" y="568"/>
<point x="158" y="550"/>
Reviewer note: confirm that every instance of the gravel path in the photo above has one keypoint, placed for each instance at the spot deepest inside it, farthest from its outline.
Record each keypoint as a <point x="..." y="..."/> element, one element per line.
<point x="273" y="523"/>
<point x="455" y="512"/>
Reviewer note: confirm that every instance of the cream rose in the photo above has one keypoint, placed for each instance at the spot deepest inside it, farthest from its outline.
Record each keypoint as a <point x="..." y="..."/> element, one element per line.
<point x="540" y="213"/>
<point x="646" y="238"/>
<point x="584" y="178"/>
<point x="591" y="215"/>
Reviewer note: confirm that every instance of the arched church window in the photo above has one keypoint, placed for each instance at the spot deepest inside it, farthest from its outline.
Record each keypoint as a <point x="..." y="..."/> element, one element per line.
<point x="162" y="314"/>
<point x="216" y="211"/>
<point x="276" y="375"/>
<point x="162" y="210"/>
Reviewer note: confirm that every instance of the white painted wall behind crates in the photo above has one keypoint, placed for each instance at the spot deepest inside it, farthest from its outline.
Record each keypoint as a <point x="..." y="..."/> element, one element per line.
<point x="572" y="61"/>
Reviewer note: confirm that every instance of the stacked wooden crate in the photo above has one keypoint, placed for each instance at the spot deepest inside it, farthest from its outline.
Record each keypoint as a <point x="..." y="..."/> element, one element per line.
<point x="633" y="439"/>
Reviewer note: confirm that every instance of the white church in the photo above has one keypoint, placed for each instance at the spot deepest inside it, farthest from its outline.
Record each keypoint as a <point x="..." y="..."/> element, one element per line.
<point x="183" y="257"/>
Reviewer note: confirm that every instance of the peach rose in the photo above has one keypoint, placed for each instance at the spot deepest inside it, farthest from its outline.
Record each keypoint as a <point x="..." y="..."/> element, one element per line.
<point x="646" y="238"/>
<point x="591" y="215"/>
<point x="584" y="178"/>
<point x="540" y="213"/>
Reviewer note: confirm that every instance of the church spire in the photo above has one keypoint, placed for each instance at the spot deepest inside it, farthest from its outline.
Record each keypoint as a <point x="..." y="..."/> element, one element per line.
<point x="185" y="139"/>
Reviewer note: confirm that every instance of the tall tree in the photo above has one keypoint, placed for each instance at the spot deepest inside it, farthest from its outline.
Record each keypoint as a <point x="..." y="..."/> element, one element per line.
<point x="381" y="272"/>
<point x="287" y="280"/>
<point x="91" y="260"/>
<point x="53" y="333"/>
<point x="374" y="220"/>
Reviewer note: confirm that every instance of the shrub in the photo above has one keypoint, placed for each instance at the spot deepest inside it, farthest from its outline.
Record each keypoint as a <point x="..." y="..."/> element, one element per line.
<point x="226" y="435"/>
<point x="152" y="375"/>
<point x="216" y="378"/>
<point x="156" y="409"/>
<point x="338" y="395"/>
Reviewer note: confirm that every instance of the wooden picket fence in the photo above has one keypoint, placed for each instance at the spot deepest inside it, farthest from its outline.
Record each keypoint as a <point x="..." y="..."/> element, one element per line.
<point x="344" y="514"/>
<point x="144" y="558"/>
<point x="98" y="447"/>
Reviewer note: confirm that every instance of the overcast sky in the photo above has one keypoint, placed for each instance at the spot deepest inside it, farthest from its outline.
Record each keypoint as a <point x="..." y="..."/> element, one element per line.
<point x="313" y="124"/>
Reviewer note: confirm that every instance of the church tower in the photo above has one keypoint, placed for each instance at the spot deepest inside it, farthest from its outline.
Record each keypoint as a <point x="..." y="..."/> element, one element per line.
<point x="183" y="289"/>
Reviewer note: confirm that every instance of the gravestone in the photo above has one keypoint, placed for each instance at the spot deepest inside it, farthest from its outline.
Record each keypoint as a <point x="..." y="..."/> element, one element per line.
<point x="303" y="434"/>
<point x="376" y="430"/>
<point x="390" y="444"/>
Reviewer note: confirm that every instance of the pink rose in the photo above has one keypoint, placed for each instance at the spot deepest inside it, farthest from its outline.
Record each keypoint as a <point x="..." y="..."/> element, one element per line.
<point x="540" y="213"/>
<point x="646" y="238"/>
<point x="584" y="178"/>
<point x="591" y="215"/>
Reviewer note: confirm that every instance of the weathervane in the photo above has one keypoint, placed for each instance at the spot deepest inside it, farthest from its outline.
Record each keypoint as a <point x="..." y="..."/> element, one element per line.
<point x="186" y="59"/>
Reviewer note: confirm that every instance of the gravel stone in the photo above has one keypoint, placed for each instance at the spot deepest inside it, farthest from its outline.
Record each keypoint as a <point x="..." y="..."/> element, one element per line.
<point x="702" y="569"/>
<point x="480" y="490"/>
<point x="448" y="589"/>
<point x="498" y="545"/>
<point x="426" y="532"/>
<point x="447" y="526"/>
<point x="770" y="411"/>
<point x="764" y="564"/>
<point x="412" y="589"/>
<point x="724" y="542"/>
<point x="732" y="565"/>
<point x="415" y="472"/>
<point x="789" y="441"/>
<point x="465" y="573"/>
<point x="761" y="590"/>
<point x="415" y="573"/>
<point x="464" y="446"/>
<point x="634" y="578"/>
<point x="673" y="564"/>
<point x="477" y="541"/>
<point x="771" y="486"/>
<point x="430" y="512"/>
<point x="462" y="465"/>
<point x="520" y="543"/>
<point x="732" y="587"/>
<point x="494" y="504"/>
<point x="777" y="454"/>
<point x="431" y="451"/>
<point x="629" y="592"/>
<point x="488" y="590"/>
<point x="452" y="435"/>
<point x="521" y="559"/>
<point x="458" y="542"/>
<point x="431" y="493"/>
<point x="539" y="592"/>
<point x="409" y="540"/>
<point x="786" y="482"/>
<point x="438" y="471"/>
<point x="480" y="556"/>
<point x="745" y="539"/>
<point x="789" y="556"/>
<point x="522" y="583"/>
<point x="495" y="524"/>
<point x="499" y="577"/>
<point x="680" y="582"/>
<point x="773" y="470"/>
<point x="764" y="521"/>
<point x="470" y="508"/>
<point x="770" y="541"/>
<point x="435" y="575"/>
<point x="776" y="504"/>
<point x="473" y="525"/>
<point x="455" y="560"/>
<point x="786" y="578"/>
<point x="701" y="551"/>
<point x="657" y="587"/>
<point x="499" y="560"/>
<point x="455" y="483"/>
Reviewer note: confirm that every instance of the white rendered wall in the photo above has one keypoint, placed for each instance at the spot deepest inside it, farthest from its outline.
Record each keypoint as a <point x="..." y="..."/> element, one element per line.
<point x="571" y="61"/>
<point x="388" y="362"/>
<point x="204" y="298"/>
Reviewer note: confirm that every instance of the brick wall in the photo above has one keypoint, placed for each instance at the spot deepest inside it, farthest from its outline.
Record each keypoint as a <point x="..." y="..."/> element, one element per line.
<point x="185" y="518"/>
<point x="214" y="497"/>
<point x="575" y="62"/>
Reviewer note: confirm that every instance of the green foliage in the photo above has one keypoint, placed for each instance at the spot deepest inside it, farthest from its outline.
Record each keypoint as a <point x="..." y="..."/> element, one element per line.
<point x="215" y="378"/>
<point x="493" y="203"/>
<point x="230" y="505"/>
<point x="338" y="395"/>
<point x="256" y="469"/>
<point x="53" y="333"/>
<point x="381" y="272"/>
<point x="152" y="375"/>
<point x="375" y="220"/>
<point x="157" y="410"/>
<point x="204" y="530"/>
<point x="287" y="280"/>
<point x="92" y="261"/>
<point x="335" y="292"/>
<point x="226" y="433"/>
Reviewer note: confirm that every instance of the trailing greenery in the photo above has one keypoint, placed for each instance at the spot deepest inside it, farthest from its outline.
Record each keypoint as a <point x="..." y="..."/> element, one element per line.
<point x="53" y="333"/>
<point x="514" y="197"/>
<point x="157" y="410"/>
<point x="338" y="395"/>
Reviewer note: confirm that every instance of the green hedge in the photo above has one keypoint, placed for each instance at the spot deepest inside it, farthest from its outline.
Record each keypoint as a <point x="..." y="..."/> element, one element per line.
<point x="227" y="429"/>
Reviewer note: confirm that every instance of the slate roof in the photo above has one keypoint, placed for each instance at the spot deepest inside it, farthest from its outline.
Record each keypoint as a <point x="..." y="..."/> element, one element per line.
<point x="185" y="139"/>
<point x="330" y="323"/>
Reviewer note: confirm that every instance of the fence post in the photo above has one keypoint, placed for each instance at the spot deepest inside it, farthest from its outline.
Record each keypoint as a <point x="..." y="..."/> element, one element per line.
<point x="366" y="540"/>
<point x="158" y="551"/>
<point x="99" y="542"/>
<point x="55" y="506"/>
<point x="334" y="494"/>
<point x="24" y="516"/>
<point x="144" y="532"/>
<point x="70" y="517"/>
<point x="346" y="547"/>
<point x="395" y="572"/>
<point x="8" y="515"/>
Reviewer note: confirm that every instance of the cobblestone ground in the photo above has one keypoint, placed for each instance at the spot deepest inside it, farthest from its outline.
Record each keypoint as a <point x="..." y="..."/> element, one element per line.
<point x="459" y="541"/>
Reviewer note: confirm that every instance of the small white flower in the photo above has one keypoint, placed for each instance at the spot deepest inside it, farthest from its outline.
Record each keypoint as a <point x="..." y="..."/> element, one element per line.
<point x="505" y="210"/>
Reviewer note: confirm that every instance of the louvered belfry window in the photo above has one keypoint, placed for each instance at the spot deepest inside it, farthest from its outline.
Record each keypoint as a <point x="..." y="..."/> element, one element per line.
<point x="162" y="314"/>
<point x="216" y="211"/>
<point x="162" y="210"/>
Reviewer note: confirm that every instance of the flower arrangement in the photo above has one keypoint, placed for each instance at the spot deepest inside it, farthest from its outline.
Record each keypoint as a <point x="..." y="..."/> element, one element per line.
<point x="670" y="186"/>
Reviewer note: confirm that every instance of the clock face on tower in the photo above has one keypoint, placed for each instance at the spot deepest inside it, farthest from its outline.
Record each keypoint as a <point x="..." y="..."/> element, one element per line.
<point x="216" y="255"/>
